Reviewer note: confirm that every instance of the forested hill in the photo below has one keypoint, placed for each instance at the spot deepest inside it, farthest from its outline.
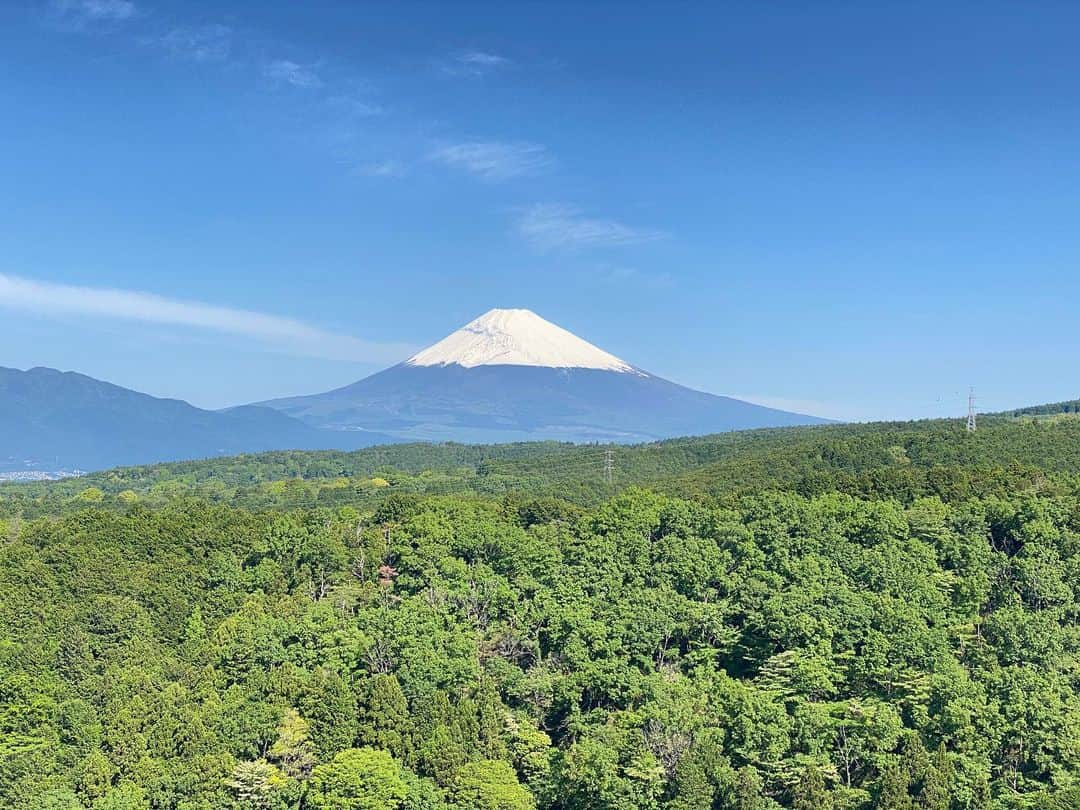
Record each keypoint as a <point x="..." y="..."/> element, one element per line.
<point x="903" y="459"/>
<point x="898" y="631"/>
<point x="1068" y="408"/>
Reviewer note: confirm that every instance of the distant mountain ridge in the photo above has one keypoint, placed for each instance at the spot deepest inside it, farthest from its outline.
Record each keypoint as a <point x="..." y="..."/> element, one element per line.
<point x="507" y="376"/>
<point x="510" y="375"/>
<point x="1066" y="408"/>
<point x="56" y="420"/>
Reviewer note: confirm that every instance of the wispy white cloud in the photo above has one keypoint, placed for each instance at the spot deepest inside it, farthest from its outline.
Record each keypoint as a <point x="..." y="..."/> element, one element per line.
<point x="494" y="160"/>
<point x="482" y="59"/>
<point x="81" y="14"/>
<point x="474" y="63"/>
<point x="550" y="226"/>
<point x="382" y="168"/>
<point x="206" y="43"/>
<point x="285" y="70"/>
<point x="283" y="334"/>
<point x="356" y="107"/>
<point x="630" y="275"/>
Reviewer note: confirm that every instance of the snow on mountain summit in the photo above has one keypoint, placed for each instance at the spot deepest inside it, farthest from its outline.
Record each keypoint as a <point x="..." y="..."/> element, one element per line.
<point x="517" y="337"/>
<point x="511" y="376"/>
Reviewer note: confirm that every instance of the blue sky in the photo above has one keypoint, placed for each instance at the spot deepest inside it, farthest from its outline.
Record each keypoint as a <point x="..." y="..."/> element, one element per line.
<point x="856" y="209"/>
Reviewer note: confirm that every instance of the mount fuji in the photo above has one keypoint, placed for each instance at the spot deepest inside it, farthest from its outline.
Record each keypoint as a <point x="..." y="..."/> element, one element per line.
<point x="510" y="375"/>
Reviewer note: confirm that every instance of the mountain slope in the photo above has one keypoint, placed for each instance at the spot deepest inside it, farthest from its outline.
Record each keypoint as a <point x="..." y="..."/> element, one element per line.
<point x="63" y="420"/>
<point x="512" y="376"/>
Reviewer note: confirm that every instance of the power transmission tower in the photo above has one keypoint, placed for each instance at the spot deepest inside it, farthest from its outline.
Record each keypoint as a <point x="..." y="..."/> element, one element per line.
<point x="609" y="466"/>
<point x="971" y="425"/>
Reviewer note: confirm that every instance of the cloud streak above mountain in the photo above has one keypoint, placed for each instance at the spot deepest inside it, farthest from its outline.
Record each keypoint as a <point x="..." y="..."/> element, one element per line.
<point x="289" y="335"/>
<point x="494" y="160"/>
<point x="483" y="59"/>
<point x="285" y="70"/>
<point x="474" y="63"/>
<point x="109" y="10"/>
<point x="549" y="226"/>
<point x="206" y="43"/>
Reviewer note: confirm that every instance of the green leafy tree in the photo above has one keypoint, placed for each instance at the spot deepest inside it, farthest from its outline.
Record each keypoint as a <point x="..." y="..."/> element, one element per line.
<point x="490" y="785"/>
<point x="93" y="776"/>
<point x="443" y="755"/>
<point x="810" y="792"/>
<point x="691" y="787"/>
<point x="330" y="707"/>
<point x="57" y="799"/>
<point x="936" y="790"/>
<point x="127" y="796"/>
<point x="256" y="783"/>
<point x="491" y="721"/>
<point x="531" y="753"/>
<point x="196" y="642"/>
<point x="293" y="749"/>
<point x="384" y="716"/>
<point x="893" y="790"/>
<point x="746" y="793"/>
<point x="358" y="779"/>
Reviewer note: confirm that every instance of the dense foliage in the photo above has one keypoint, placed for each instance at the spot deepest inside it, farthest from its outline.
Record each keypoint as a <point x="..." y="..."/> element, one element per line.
<point x="867" y="632"/>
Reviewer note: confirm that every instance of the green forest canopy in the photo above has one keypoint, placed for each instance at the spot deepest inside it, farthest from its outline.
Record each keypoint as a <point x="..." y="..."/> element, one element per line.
<point x="838" y="617"/>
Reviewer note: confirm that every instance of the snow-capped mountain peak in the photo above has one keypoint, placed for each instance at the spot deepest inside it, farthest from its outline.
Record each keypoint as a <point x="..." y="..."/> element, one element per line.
<point x="511" y="376"/>
<point x="517" y="337"/>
